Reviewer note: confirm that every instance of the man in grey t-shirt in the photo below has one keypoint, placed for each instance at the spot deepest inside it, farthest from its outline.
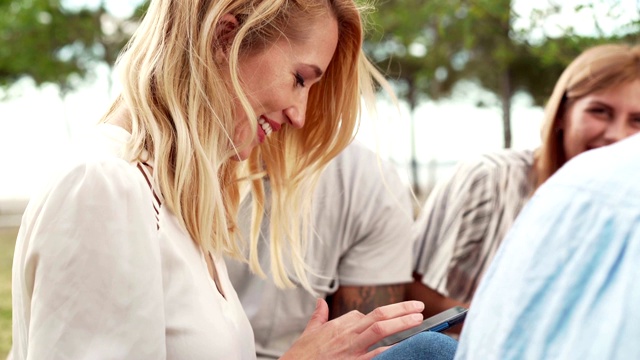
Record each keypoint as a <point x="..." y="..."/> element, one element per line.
<point x="361" y="252"/>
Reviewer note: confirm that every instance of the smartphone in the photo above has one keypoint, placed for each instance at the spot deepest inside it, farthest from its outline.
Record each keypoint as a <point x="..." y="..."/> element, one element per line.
<point x="439" y="322"/>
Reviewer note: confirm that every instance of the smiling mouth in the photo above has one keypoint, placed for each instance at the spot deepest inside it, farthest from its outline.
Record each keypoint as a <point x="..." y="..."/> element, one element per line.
<point x="266" y="127"/>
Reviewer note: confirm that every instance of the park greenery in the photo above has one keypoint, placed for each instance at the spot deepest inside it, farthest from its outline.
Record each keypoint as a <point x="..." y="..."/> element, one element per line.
<point x="427" y="48"/>
<point x="7" y="242"/>
<point x="51" y="44"/>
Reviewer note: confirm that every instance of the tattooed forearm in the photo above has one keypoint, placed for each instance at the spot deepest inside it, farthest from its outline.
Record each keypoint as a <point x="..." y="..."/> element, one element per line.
<point x="363" y="298"/>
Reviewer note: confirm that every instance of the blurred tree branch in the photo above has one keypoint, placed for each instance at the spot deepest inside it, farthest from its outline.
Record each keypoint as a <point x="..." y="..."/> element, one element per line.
<point x="43" y="41"/>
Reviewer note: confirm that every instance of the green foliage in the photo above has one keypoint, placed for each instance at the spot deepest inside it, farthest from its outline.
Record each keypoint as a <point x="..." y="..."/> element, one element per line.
<point x="476" y="40"/>
<point x="116" y="32"/>
<point x="408" y="46"/>
<point x="42" y="40"/>
<point x="7" y="243"/>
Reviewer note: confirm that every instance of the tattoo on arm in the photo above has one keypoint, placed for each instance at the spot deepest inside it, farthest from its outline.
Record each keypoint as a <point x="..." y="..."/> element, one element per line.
<point x="363" y="298"/>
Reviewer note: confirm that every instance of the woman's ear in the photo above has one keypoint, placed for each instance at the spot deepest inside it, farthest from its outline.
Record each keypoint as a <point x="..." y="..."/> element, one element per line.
<point x="225" y="33"/>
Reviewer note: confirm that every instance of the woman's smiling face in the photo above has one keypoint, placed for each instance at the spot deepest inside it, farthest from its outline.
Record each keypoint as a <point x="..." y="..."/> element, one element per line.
<point x="601" y="118"/>
<point x="277" y="82"/>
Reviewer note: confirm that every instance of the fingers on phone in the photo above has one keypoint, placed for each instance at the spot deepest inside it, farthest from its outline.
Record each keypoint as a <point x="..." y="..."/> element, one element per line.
<point x="381" y="329"/>
<point x="383" y="313"/>
<point x="396" y="310"/>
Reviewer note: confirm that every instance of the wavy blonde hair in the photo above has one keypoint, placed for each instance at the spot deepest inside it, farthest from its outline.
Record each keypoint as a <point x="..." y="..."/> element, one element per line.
<point x="598" y="68"/>
<point x="182" y="114"/>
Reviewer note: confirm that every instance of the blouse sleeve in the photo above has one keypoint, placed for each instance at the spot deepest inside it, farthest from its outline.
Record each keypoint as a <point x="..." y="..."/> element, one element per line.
<point x="88" y="269"/>
<point x="454" y="221"/>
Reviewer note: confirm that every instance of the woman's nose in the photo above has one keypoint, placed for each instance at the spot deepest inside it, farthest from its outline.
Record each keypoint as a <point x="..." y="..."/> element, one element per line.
<point x="296" y="114"/>
<point x="618" y="130"/>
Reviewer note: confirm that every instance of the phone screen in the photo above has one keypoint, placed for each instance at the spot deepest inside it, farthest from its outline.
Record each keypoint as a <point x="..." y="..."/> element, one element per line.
<point x="439" y="322"/>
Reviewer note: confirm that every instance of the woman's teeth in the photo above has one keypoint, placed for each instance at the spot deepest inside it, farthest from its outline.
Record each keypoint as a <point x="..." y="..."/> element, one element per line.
<point x="265" y="126"/>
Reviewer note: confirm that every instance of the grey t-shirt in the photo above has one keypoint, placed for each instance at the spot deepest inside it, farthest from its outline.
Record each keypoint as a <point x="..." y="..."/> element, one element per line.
<point x="363" y="224"/>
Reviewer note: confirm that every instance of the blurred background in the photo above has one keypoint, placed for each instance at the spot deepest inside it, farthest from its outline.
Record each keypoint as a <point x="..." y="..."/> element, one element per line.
<point x="472" y="76"/>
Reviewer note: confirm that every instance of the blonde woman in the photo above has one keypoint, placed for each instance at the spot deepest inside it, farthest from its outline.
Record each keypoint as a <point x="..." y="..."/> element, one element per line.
<point x="594" y="103"/>
<point x="120" y="256"/>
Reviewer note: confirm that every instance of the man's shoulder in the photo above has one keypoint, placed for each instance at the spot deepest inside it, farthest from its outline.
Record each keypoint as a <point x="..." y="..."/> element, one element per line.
<point x="492" y="166"/>
<point x="618" y="163"/>
<point x="609" y="173"/>
<point x="504" y="158"/>
<point x="356" y="153"/>
<point x="361" y="166"/>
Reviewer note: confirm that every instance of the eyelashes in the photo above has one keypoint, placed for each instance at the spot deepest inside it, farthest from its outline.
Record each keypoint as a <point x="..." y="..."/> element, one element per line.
<point x="598" y="111"/>
<point x="299" y="80"/>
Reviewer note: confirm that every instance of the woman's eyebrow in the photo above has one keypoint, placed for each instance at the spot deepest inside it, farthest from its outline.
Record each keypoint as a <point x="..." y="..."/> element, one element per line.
<point x="600" y="102"/>
<point x="318" y="72"/>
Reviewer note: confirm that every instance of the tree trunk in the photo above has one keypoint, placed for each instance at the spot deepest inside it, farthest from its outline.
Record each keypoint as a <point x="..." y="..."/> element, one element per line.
<point x="414" y="158"/>
<point x="506" y="108"/>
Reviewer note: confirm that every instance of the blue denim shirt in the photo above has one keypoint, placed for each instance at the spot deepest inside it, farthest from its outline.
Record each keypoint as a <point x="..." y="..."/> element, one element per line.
<point x="565" y="283"/>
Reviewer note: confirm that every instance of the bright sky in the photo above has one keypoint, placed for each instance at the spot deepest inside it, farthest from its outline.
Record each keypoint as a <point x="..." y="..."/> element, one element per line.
<point x="37" y="128"/>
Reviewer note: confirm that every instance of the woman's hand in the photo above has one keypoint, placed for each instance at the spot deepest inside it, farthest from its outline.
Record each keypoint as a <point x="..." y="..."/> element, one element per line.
<point x="350" y="336"/>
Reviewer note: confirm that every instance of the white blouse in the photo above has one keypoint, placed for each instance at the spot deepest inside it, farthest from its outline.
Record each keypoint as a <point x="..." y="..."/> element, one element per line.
<point x="96" y="275"/>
